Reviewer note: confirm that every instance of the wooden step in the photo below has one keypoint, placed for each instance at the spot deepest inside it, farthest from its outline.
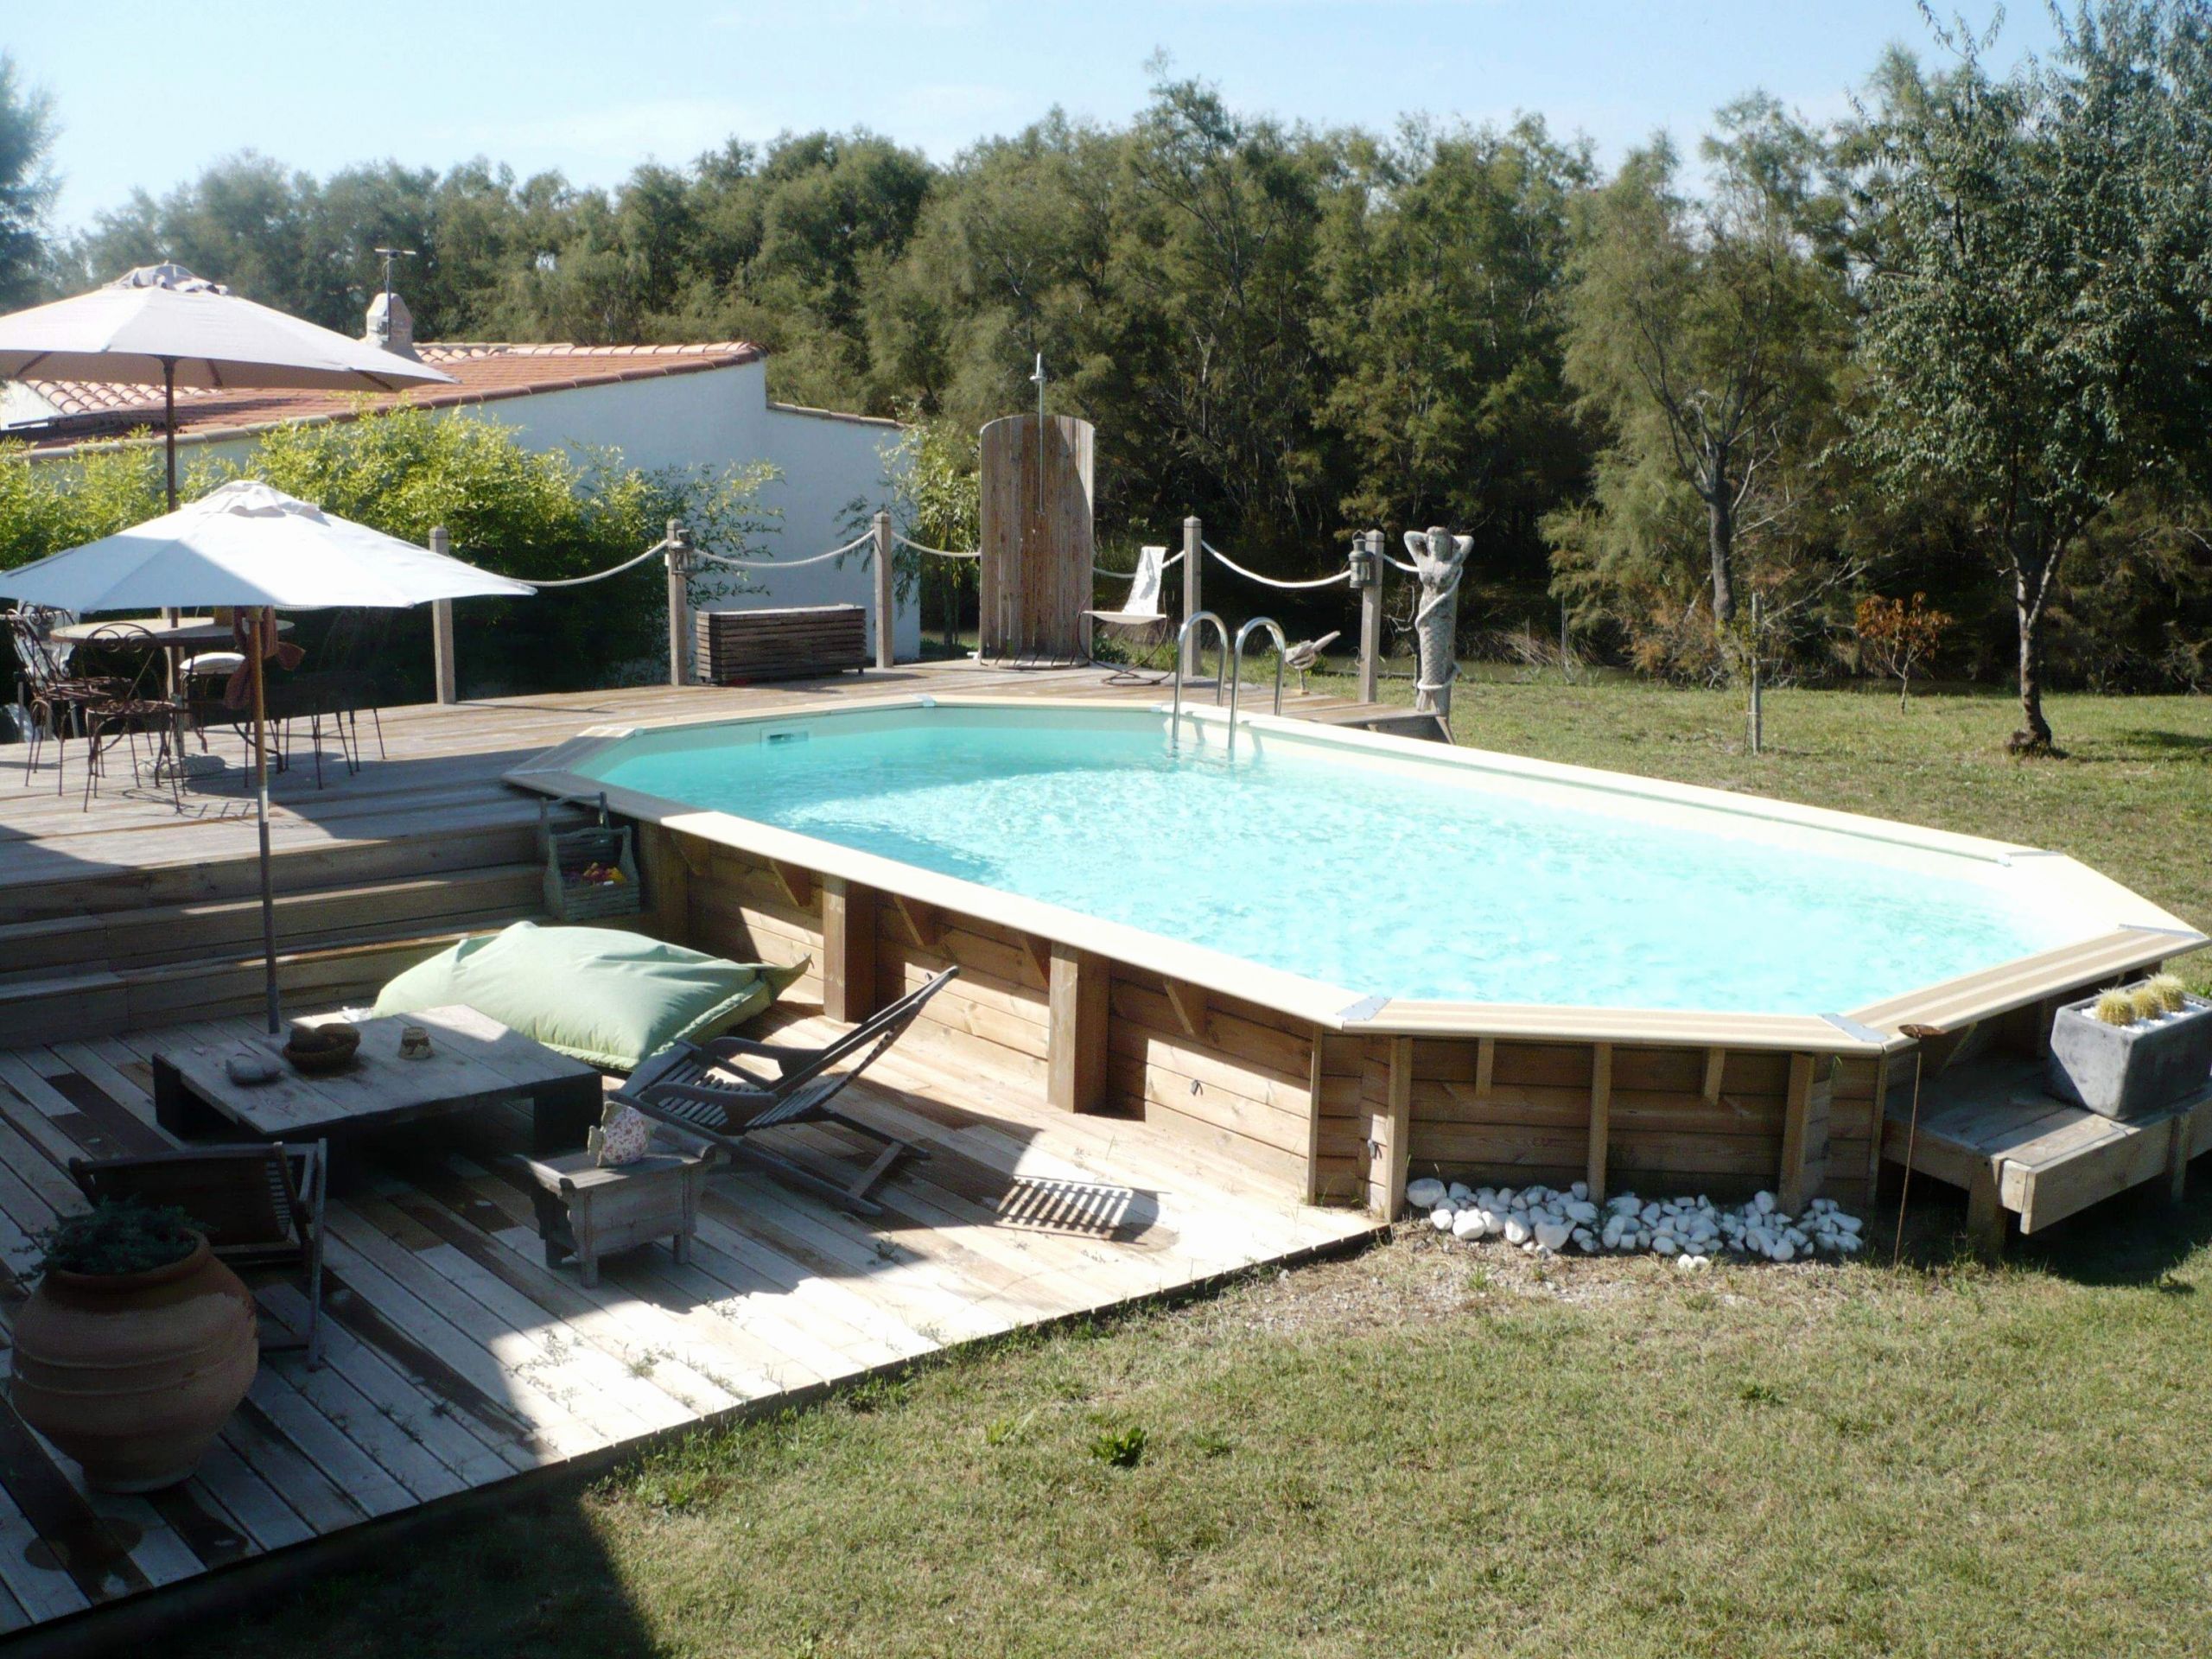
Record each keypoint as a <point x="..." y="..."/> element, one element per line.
<point x="116" y="940"/>
<point x="67" y="1007"/>
<point x="61" y="892"/>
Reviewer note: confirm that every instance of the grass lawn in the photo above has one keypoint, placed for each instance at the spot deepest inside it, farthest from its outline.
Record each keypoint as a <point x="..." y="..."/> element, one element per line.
<point x="1436" y="1449"/>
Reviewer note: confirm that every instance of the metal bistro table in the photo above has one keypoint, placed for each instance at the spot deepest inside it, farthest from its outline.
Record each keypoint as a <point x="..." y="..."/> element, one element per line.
<point x="474" y="1061"/>
<point x="186" y="634"/>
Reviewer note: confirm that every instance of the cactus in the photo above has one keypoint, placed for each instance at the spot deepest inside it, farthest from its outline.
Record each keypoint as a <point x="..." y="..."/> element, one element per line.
<point x="2114" y="1009"/>
<point x="2147" y="1003"/>
<point x="2172" y="994"/>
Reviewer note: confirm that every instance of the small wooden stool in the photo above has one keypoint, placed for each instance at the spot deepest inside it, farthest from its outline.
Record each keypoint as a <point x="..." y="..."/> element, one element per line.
<point x="587" y="1211"/>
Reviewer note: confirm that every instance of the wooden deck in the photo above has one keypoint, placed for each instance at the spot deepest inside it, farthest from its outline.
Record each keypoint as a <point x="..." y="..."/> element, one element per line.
<point x="458" y="1361"/>
<point x="1989" y="1127"/>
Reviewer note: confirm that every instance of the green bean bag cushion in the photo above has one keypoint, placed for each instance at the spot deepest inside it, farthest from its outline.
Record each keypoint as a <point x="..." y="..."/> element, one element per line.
<point x="605" y="998"/>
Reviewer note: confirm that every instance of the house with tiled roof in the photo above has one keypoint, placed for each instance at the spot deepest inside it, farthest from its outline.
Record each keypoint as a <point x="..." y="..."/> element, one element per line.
<point x="660" y="405"/>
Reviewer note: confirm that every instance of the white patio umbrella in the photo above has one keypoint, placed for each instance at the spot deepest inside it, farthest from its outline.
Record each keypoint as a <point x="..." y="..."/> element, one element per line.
<point x="254" y="548"/>
<point x="161" y="326"/>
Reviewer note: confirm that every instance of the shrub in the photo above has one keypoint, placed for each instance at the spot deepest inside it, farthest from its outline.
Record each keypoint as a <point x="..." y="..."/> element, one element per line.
<point x="1900" y="635"/>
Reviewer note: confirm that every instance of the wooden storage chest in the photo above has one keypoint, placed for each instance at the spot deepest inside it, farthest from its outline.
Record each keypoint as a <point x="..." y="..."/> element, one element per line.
<point x="739" y="647"/>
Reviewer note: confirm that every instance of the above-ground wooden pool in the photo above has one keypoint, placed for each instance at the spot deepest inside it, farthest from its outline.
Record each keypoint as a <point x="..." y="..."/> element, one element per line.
<point x="1340" y="956"/>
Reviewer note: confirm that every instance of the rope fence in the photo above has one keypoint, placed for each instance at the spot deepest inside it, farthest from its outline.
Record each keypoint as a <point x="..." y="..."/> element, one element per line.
<point x="652" y="552"/>
<point x="1270" y="582"/>
<point x="858" y="542"/>
<point x="879" y="536"/>
<point x="939" y="552"/>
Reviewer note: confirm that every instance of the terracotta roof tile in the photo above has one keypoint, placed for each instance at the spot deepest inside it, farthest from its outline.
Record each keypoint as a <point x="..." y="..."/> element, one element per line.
<point x="485" y="371"/>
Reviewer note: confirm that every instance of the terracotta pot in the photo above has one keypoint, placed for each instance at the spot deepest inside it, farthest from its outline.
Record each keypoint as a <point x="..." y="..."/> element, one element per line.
<point x="132" y="1374"/>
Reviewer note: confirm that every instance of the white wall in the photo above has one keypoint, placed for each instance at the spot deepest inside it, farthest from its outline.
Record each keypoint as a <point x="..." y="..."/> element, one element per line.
<point x="721" y="417"/>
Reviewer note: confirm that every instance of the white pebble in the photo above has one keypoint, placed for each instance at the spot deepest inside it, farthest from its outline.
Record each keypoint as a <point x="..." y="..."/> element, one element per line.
<point x="1440" y="1219"/>
<point x="1469" y="1224"/>
<point x="1516" y="1230"/>
<point x="1424" y="1194"/>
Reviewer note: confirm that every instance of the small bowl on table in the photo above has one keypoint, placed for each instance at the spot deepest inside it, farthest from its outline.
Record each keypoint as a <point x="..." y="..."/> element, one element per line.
<point x="323" y="1048"/>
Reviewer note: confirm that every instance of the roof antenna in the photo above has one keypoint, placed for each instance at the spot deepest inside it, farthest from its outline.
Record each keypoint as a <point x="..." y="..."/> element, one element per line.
<point x="388" y="255"/>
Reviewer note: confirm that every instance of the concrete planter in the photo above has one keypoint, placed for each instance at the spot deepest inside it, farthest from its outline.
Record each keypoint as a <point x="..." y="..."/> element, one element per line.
<point x="2129" y="1071"/>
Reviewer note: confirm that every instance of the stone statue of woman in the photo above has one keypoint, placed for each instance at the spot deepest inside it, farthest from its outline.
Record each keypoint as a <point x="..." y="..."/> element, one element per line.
<point x="1438" y="557"/>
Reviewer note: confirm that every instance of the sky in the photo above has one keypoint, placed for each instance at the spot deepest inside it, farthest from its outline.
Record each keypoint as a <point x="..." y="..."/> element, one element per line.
<point x="148" y="93"/>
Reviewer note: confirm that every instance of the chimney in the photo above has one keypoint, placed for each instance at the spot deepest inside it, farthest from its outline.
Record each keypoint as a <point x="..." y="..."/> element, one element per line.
<point x="392" y="325"/>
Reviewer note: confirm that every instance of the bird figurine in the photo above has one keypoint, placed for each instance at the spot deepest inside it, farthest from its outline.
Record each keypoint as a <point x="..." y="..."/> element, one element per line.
<point x="1307" y="654"/>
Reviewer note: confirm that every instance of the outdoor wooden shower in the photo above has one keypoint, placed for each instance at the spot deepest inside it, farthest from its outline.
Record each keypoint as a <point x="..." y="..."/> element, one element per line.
<point x="1035" y="515"/>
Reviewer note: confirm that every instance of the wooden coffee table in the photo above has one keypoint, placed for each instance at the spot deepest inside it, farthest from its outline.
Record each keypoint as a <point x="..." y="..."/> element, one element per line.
<point x="474" y="1061"/>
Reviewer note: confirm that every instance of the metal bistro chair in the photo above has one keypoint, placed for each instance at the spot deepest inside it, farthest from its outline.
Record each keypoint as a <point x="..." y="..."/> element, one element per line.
<point x="257" y="1205"/>
<point x="124" y="715"/>
<point x="334" y="694"/>
<point x="53" y="700"/>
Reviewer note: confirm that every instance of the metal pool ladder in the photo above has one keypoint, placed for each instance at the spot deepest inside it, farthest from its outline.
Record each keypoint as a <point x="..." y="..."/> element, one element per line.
<point x="1175" y="724"/>
<point x="1236" y="669"/>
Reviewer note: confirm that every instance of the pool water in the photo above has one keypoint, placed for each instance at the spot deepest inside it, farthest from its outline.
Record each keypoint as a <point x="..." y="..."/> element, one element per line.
<point x="1410" y="880"/>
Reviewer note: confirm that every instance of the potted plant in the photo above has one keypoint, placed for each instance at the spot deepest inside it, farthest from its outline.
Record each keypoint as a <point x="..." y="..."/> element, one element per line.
<point x="2132" y="1050"/>
<point x="136" y="1347"/>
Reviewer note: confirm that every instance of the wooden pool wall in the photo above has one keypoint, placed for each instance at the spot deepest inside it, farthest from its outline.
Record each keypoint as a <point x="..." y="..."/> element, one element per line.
<point x="1327" y="1114"/>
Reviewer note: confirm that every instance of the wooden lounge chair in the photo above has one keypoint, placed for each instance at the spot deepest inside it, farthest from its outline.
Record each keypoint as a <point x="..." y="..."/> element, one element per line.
<point x="700" y="1087"/>
<point x="1140" y="614"/>
<point x="259" y="1205"/>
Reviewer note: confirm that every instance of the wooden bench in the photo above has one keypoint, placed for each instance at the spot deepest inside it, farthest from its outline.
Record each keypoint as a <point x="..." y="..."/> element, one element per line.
<point x="797" y="642"/>
<point x="1987" y="1125"/>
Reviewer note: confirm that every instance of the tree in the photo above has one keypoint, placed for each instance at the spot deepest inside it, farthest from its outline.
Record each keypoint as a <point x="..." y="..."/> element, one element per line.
<point x="27" y="184"/>
<point x="1444" y="257"/>
<point x="936" y="501"/>
<point x="2035" y="342"/>
<point x="1703" y="335"/>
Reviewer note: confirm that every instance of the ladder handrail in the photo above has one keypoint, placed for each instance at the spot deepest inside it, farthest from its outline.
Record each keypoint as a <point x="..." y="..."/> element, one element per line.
<point x="1175" y="724"/>
<point x="1236" y="669"/>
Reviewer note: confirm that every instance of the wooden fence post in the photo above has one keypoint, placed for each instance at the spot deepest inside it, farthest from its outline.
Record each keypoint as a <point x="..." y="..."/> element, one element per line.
<point x="885" y="653"/>
<point x="1370" y="622"/>
<point x="1194" y="555"/>
<point x="679" y="604"/>
<point x="442" y="656"/>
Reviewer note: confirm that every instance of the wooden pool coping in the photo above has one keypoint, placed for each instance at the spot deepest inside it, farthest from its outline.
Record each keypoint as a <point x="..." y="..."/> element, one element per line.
<point x="2140" y="935"/>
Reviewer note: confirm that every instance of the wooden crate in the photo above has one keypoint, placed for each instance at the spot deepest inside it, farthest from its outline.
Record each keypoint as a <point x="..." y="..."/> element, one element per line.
<point x="568" y="853"/>
<point x="738" y="647"/>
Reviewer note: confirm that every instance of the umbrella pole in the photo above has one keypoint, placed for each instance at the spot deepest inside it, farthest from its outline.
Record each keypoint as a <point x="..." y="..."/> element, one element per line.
<point x="168" y="447"/>
<point x="264" y="617"/>
<point x="169" y="423"/>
